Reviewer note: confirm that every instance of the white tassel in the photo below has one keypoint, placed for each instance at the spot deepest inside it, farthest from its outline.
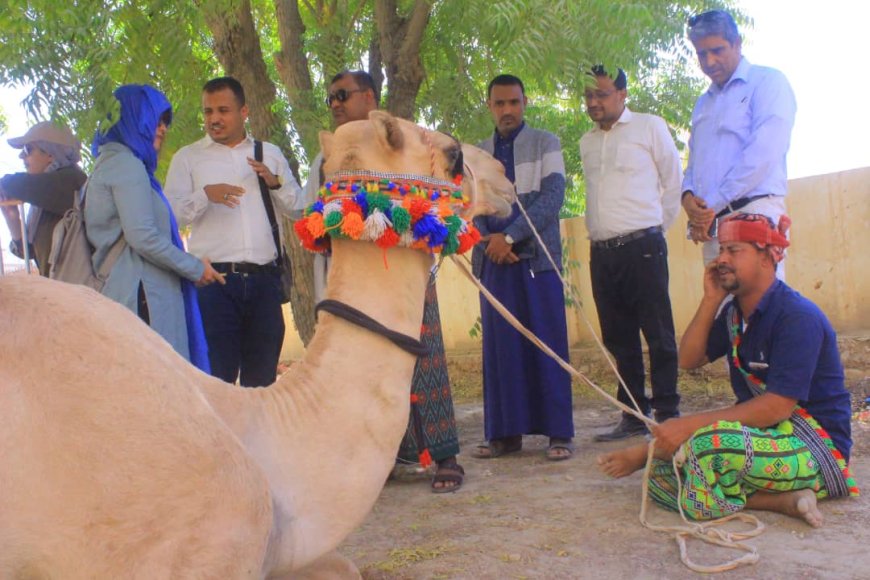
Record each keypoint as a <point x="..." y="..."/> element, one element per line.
<point x="334" y="205"/>
<point x="407" y="238"/>
<point x="375" y="226"/>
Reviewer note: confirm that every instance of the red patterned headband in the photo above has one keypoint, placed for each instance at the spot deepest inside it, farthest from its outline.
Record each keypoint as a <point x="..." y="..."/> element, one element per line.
<point x="756" y="229"/>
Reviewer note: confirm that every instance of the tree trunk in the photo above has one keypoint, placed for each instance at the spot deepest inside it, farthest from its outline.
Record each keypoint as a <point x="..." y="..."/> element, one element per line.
<point x="237" y="46"/>
<point x="400" y="39"/>
<point x="293" y="68"/>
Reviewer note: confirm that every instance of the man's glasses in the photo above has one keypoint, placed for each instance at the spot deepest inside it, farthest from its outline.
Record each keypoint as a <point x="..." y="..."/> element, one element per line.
<point x="341" y="95"/>
<point x="29" y="149"/>
<point x="597" y="95"/>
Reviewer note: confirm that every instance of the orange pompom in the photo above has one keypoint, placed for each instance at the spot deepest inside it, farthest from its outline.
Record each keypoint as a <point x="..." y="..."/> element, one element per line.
<point x="315" y="225"/>
<point x="352" y="226"/>
<point x="444" y="208"/>
<point x="308" y="241"/>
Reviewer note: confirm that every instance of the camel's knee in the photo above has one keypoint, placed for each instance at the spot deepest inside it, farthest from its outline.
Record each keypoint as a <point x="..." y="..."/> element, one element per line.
<point x="332" y="566"/>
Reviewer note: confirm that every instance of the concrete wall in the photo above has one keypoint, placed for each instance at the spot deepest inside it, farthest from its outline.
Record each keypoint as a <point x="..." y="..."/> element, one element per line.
<point x="829" y="262"/>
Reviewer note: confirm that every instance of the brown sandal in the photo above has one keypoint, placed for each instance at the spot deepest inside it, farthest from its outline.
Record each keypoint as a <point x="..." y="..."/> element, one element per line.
<point x="446" y="473"/>
<point x="499" y="447"/>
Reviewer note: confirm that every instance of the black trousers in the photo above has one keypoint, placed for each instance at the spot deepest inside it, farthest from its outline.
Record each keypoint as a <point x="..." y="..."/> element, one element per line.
<point x="630" y="287"/>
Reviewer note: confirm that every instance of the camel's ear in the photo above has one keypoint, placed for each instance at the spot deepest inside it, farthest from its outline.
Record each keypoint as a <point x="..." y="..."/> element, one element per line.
<point x="326" y="140"/>
<point x="387" y="129"/>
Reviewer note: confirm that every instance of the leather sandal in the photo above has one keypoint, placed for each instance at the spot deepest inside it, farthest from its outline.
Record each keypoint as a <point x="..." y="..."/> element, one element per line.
<point x="499" y="447"/>
<point x="448" y="472"/>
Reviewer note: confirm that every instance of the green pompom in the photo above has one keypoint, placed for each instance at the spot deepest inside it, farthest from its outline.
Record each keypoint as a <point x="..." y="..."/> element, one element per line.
<point x="401" y="219"/>
<point x="453" y="224"/>
<point x="331" y="222"/>
<point x="378" y="201"/>
<point x="452" y="243"/>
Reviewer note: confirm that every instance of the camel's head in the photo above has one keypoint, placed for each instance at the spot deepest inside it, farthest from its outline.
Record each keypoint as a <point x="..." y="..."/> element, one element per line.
<point x="391" y="182"/>
<point x="384" y="143"/>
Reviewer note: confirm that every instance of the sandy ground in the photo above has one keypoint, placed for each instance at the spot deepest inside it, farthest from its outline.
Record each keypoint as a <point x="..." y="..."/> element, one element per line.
<point x="521" y="516"/>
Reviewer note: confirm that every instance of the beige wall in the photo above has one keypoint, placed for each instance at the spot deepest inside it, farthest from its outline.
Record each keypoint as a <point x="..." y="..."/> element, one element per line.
<point x="829" y="262"/>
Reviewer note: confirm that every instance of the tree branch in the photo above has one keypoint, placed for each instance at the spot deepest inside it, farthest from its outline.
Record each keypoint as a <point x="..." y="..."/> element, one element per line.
<point x="292" y="64"/>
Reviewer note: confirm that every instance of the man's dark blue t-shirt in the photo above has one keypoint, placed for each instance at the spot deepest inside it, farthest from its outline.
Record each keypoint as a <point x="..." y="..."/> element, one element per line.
<point x="789" y="344"/>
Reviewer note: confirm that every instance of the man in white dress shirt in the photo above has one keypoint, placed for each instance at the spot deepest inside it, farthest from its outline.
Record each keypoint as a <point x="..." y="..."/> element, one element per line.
<point x="633" y="178"/>
<point x="213" y="188"/>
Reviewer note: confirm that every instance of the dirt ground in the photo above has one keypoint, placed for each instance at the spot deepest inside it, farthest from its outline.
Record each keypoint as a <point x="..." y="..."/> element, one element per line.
<point x="521" y="516"/>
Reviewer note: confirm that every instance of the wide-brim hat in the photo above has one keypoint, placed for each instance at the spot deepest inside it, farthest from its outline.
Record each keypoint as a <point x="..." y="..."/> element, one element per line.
<point x="46" y="131"/>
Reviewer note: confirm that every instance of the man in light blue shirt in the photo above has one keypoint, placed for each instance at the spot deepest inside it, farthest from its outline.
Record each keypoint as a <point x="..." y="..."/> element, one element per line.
<point x="741" y="128"/>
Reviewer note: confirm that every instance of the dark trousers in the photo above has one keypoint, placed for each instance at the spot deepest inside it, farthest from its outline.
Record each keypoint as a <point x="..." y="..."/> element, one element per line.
<point x="630" y="287"/>
<point x="244" y="327"/>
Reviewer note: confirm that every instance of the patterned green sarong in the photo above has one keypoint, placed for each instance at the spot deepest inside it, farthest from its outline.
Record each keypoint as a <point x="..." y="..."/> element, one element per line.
<point x="726" y="462"/>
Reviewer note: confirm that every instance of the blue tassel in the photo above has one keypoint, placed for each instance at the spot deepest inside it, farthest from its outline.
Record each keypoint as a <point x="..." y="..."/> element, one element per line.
<point x="429" y="226"/>
<point x="360" y="200"/>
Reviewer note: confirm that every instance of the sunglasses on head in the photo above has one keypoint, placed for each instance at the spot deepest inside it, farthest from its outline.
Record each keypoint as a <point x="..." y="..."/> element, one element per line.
<point x="706" y="16"/>
<point x="341" y="95"/>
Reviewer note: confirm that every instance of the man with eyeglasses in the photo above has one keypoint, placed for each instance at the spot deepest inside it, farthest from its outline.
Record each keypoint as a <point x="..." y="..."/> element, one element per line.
<point x="741" y="129"/>
<point x="51" y="155"/>
<point x="213" y="187"/>
<point x="352" y="95"/>
<point x="633" y="174"/>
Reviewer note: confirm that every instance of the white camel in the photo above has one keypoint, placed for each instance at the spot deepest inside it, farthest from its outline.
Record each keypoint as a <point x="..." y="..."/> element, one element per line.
<point x="120" y="460"/>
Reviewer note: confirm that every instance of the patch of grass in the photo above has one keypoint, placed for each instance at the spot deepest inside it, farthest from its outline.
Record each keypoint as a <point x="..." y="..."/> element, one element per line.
<point x="401" y="557"/>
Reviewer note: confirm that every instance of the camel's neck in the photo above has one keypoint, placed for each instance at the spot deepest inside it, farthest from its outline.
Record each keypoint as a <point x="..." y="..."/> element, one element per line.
<point x="331" y="427"/>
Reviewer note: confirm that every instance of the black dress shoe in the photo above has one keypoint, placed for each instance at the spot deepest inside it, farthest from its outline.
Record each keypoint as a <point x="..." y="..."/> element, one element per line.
<point x="628" y="427"/>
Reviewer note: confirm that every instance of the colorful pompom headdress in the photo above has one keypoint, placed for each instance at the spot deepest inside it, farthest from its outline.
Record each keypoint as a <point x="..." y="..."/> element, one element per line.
<point x="389" y="209"/>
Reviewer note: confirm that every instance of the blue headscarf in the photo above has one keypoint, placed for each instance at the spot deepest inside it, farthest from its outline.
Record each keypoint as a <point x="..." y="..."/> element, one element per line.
<point x="142" y="107"/>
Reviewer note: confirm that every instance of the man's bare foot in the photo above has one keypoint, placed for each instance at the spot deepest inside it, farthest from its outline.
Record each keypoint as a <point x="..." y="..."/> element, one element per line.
<point x="800" y="504"/>
<point x="624" y="461"/>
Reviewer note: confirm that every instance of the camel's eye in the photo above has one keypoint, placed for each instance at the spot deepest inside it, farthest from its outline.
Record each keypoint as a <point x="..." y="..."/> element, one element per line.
<point x="454" y="158"/>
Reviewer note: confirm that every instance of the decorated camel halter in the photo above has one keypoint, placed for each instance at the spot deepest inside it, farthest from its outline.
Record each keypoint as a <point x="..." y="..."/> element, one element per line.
<point x="389" y="209"/>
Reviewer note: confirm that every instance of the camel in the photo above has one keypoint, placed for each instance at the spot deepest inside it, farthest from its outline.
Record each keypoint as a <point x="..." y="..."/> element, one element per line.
<point x="118" y="459"/>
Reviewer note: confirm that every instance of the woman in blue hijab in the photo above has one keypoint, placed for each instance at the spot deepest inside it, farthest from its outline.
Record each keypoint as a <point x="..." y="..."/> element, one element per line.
<point x="153" y="276"/>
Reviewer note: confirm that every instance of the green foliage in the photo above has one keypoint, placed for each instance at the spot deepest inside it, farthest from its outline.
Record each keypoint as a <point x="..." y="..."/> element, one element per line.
<point x="74" y="54"/>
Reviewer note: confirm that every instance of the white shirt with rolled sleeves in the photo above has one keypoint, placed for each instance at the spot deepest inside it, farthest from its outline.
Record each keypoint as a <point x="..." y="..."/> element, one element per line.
<point x="218" y="232"/>
<point x="633" y="176"/>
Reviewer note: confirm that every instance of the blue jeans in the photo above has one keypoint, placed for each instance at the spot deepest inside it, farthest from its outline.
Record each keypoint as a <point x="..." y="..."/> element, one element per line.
<point x="244" y="327"/>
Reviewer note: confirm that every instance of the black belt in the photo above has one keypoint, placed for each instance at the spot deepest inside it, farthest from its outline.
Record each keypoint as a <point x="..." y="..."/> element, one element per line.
<point x="740" y="203"/>
<point x="625" y="238"/>
<point x="244" y="268"/>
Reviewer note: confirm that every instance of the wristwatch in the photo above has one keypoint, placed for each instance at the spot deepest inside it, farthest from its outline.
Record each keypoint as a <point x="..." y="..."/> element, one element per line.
<point x="280" y="179"/>
<point x="509" y="239"/>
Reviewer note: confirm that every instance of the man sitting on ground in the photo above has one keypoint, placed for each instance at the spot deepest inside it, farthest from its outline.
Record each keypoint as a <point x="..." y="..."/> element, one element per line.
<point x="787" y="440"/>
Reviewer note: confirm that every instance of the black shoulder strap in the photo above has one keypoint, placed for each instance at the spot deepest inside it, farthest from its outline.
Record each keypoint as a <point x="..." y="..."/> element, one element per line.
<point x="267" y="201"/>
